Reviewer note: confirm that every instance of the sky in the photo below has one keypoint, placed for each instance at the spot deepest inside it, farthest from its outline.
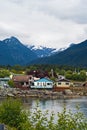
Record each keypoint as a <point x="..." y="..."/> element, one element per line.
<point x="50" y="23"/>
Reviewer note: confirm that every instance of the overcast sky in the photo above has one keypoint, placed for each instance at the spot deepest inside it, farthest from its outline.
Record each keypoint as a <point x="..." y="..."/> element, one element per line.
<point x="52" y="23"/>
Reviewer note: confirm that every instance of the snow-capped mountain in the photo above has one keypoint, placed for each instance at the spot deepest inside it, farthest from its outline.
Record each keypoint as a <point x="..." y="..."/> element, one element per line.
<point x="42" y="51"/>
<point x="74" y="55"/>
<point x="12" y="52"/>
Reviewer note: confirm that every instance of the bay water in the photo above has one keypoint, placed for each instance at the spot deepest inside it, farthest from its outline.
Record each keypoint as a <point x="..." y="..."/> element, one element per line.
<point x="57" y="105"/>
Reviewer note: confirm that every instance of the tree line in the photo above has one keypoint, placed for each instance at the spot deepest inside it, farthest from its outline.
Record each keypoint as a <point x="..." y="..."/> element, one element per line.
<point x="51" y="71"/>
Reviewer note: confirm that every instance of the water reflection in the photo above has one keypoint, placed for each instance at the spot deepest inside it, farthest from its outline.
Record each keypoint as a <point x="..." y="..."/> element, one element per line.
<point x="57" y="105"/>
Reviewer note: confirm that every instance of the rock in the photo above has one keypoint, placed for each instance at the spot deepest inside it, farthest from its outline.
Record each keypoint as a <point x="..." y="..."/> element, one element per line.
<point x="10" y="95"/>
<point x="68" y="92"/>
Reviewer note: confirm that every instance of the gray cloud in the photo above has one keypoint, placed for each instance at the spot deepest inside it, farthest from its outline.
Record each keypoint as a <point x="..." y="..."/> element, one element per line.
<point x="71" y="9"/>
<point x="52" y="23"/>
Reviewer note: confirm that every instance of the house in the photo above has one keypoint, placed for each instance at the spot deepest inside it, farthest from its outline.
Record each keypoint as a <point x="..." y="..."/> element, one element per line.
<point x="43" y="83"/>
<point x="22" y="81"/>
<point x="78" y="84"/>
<point x="4" y="82"/>
<point x="62" y="84"/>
<point x="61" y="77"/>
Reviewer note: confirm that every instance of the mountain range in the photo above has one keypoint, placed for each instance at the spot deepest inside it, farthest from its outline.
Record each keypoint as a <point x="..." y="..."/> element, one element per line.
<point x="42" y="51"/>
<point x="74" y="55"/>
<point x="13" y="52"/>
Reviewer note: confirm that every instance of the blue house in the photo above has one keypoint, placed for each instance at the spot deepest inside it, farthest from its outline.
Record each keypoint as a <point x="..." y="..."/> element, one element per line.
<point x="43" y="83"/>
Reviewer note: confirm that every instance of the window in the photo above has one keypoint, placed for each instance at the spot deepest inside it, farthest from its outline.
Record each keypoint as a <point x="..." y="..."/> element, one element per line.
<point x="44" y="84"/>
<point x="30" y="78"/>
<point x="49" y="83"/>
<point x="38" y="84"/>
<point x="22" y="83"/>
<point x="32" y="84"/>
<point x="59" y="83"/>
<point x="26" y="83"/>
<point x="67" y="83"/>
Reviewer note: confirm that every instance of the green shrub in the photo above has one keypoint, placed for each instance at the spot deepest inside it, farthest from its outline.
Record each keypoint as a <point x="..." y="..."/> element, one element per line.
<point x="71" y="121"/>
<point x="13" y="115"/>
<point x="11" y="83"/>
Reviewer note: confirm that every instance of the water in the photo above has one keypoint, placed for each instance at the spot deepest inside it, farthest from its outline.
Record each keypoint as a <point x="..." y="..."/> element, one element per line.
<point x="57" y="105"/>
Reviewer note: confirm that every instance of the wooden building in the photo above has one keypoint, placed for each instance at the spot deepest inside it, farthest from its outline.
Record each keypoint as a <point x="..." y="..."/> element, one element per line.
<point x="62" y="84"/>
<point x="22" y="81"/>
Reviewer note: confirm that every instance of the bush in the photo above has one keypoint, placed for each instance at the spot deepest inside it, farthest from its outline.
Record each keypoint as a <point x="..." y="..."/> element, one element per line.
<point x="11" y="83"/>
<point x="71" y="121"/>
<point x="12" y="114"/>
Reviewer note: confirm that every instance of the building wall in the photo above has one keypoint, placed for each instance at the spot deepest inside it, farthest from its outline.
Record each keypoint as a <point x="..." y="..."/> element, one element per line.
<point x="42" y="85"/>
<point x="62" y="84"/>
<point x="21" y="84"/>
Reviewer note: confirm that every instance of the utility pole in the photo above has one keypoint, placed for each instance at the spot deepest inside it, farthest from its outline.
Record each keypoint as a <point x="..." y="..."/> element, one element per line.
<point x="52" y="73"/>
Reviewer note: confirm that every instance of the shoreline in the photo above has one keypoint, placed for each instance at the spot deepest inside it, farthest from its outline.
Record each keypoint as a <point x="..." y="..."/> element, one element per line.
<point x="44" y="94"/>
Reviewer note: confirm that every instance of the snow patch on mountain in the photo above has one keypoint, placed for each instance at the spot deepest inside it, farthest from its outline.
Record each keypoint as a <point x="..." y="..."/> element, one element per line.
<point x="42" y="51"/>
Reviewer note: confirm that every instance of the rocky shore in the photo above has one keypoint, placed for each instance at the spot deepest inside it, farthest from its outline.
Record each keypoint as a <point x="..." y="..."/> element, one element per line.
<point x="45" y="94"/>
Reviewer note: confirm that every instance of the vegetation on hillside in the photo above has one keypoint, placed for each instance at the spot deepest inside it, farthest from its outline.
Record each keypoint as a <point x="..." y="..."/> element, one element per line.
<point x="51" y="71"/>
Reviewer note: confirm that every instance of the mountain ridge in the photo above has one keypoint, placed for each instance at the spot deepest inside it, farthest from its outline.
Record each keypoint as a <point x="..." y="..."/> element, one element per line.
<point x="42" y="51"/>
<point x="75" y="55"/>
<point x="12" y="52"/>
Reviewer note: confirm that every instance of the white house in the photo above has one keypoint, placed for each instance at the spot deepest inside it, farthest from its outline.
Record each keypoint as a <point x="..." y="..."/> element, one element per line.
<point x="63" y="83"/>
<point x="43" y="83"/>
